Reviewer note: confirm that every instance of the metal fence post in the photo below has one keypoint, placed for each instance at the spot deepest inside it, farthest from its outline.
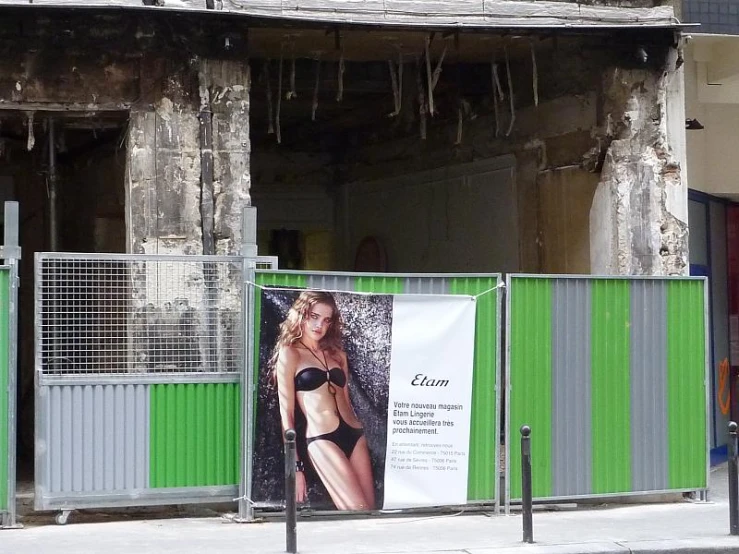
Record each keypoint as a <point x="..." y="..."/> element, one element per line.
<point x="733" y="481"/>
<point x="526" y="497"/>
<point x="248" y="253"/>
<point x="291" y="507"/>
<point x="11" y="253"/>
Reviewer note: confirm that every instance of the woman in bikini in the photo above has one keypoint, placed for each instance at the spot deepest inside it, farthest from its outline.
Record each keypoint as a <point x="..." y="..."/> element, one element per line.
<point x="310" y="369"/>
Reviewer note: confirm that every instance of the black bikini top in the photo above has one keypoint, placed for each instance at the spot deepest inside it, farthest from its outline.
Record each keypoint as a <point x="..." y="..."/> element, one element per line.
<point x="310" y="378"/>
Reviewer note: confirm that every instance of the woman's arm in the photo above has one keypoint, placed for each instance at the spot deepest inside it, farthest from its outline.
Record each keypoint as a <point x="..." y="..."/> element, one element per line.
<point x="287" y="363"/>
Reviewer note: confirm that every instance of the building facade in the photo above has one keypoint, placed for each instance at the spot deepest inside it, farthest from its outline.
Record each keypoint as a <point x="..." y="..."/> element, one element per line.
<point x="470" y="137"/>
<point x="712" y="110"/>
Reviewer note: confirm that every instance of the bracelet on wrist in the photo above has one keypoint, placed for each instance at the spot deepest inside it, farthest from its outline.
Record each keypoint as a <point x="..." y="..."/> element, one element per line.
<point x="299" y="465"/>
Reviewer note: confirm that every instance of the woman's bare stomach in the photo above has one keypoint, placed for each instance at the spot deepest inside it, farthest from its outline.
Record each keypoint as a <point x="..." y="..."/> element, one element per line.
<point x="326" y="418"/>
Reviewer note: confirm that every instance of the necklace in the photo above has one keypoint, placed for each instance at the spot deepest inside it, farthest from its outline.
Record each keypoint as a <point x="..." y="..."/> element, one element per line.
<point x="324" y="364"/>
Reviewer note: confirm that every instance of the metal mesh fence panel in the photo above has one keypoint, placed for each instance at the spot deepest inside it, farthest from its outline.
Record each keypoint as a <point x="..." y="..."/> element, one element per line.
<point x="127" y="314"/>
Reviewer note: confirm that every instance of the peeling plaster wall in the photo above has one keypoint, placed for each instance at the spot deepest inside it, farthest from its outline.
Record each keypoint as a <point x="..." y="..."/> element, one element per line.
<point x="634" y="230"/>
<point x="163" y="73"/>
<point x="168" y="195"/>
<point x="229" y="84"/>
<point x="164" y="177"/>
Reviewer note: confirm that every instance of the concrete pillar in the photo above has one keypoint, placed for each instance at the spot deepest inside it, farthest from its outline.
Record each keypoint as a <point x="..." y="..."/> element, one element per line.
<point x="637" y="226"/>
<point x="229" y="83"/>
<point x="163" y="177"/>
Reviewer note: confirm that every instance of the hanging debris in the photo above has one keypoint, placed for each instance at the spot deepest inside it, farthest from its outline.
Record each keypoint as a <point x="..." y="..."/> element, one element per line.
<point x="460" y="125"/>
<point x="535" y="77"/>
<point x="510" y="92"/>
<point x="496" y="94"/>
<point x="31" y="138"/>
<point x="432" y="78"/>
<point x="396" y="80"/>
<point x="268" y="88"/>
<point x="498" y="86"/>
<point x="316" y="88"/>
<point x="340" y="75"/>
<point x="421" y="100"/>
<point x="279" y="102"/>
<point x="292" y="93"/>
<point x="458" y="93"/>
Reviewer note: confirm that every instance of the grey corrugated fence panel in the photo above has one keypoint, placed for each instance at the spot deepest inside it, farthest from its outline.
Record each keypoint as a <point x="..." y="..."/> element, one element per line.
<point x="623" y="361"/>
<point x="330" y="281"/>
<point x="97" y="437"/>
<point x="94" y="429"/>
<point x="428" y="285"/>
<point x="649" y="467"/>
<point x="571" y="394"/>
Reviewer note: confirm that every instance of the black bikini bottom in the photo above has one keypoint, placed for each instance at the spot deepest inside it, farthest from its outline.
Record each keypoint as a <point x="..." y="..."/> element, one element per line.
<point x="344" y="436"/>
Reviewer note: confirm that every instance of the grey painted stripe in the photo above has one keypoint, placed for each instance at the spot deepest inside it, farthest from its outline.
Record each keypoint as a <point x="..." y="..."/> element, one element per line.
<point x="648" y="360"/>
<point x="98" y="438"/>
<point x="330" y="282"/>
<point x="571" y="388"/>
<point x="426" y="285"/>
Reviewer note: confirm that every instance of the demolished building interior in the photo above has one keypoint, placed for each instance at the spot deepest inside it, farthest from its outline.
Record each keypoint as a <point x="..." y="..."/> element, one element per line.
<point x="383" y="149"/>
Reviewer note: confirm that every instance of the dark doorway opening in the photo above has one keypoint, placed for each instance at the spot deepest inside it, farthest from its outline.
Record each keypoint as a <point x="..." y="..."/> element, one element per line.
<point x="67" y="172"/>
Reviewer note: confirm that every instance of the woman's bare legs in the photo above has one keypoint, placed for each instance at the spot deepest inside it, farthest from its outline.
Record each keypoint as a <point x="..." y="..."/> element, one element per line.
<point x="360" y="460"/>
<point x="337" y="475"/>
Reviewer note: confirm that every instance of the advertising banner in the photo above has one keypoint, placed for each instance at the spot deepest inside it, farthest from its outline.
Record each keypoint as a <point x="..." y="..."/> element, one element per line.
<point x="378" y="388"/>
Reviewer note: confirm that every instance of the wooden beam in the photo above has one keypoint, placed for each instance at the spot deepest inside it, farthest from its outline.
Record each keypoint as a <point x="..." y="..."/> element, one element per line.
<point x="76" y="109"/>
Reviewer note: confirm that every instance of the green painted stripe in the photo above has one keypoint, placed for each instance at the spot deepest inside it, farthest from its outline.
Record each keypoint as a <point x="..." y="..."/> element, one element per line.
<point x="484" y="423"/>
<point x="4" y="370"/>
<point x="193" y="443"/>
<point x="380" y="284"/>
<point x="611" y="408"/>
<point x="531" y="380"/>
<point x="277" y="279"/>
<point x="686" y="393"/>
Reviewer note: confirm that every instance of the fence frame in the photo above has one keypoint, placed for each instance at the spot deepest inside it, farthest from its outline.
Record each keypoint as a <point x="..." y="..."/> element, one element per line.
<point x="67" y="501"/>
<point x="248" y="513"/>
<point x="11" y="253"/>
<point x="706" y="380"/>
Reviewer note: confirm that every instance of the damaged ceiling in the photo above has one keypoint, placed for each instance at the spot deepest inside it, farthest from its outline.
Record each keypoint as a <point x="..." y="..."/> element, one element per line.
<point x="335" y="81"/>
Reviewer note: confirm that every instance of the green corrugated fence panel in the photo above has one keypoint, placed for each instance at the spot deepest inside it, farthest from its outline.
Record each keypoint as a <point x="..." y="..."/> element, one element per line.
<point x="686" y="387"/>
<point x="382" y="284"/>
<point x="195" y="434"/>
<point x="4" y="377"/>
<point x="611" y="438"/>
<point x="484" y="423"/>
<point x="281" y="279"/>
<point x="531" y="380"/>
<point x="627" y="318"/>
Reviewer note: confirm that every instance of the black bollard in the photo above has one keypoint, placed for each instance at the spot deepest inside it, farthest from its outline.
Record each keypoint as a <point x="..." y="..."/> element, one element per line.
<point x="733" y="481"/>
<point x="291" y="507"/>
<point x="526" y="497"/>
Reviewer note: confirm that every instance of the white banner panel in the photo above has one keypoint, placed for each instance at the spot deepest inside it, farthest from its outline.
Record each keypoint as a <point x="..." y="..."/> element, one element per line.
<point x="430" y="401"/>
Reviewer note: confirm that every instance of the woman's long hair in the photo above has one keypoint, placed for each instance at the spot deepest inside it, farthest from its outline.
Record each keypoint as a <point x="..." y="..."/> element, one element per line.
<point x="291" y="330"/>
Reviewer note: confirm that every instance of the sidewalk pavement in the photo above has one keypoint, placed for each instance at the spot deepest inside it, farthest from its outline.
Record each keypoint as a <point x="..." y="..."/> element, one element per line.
<point x="683" y="526"/>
